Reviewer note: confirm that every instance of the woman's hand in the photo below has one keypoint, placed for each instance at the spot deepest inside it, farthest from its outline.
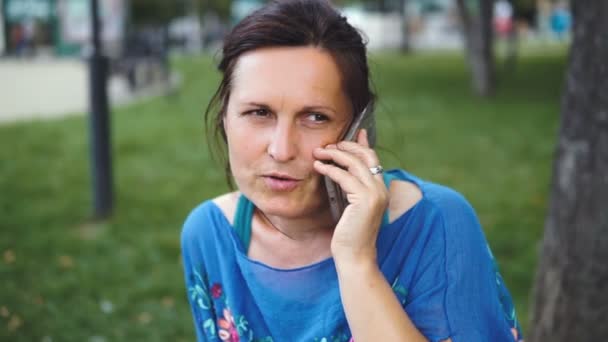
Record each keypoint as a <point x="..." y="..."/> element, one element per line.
<point x="354" y="239"/>
<point x="363" y="287"/>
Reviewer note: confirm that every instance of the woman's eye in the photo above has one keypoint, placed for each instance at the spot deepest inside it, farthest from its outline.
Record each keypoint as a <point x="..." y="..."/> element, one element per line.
<point x="317" y="117"/>
<point x="258" y="113"/>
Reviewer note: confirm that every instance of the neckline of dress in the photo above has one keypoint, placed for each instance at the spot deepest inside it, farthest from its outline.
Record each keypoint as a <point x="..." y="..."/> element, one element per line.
<point x="240" y="249"/>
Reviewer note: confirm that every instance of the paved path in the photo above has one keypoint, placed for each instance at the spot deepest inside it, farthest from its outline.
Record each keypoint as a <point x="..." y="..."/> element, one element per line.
<point x="48" y="88"/>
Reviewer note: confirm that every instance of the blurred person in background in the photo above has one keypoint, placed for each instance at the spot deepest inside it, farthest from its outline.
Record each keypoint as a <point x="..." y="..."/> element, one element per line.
<point x="29" y="33"/>
<point x="406" y="261"/>
<point x="560" y="21"/>
<point x="503" y="17"/>
<point x="17" y="39"/>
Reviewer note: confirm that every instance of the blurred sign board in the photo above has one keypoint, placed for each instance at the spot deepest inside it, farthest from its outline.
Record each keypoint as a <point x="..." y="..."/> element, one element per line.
<point x="75" y="20"/>
<point x="18" y="10"/>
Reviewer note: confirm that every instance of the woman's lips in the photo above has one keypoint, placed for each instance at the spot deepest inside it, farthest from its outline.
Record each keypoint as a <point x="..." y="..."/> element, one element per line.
<point x="279" y="183"/>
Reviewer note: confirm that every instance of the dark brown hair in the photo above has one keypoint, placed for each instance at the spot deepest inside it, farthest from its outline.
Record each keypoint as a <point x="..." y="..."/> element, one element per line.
<point x="290" y="23"/>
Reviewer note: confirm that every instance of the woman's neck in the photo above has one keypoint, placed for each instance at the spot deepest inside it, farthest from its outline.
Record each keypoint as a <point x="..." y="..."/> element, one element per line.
<point x="300" y="229"/>
<point x="288" y="243"/>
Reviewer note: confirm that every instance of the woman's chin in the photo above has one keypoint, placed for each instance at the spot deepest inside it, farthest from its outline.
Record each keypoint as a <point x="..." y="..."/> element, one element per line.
<point x="305" y="200"/>
<point x="286" y="208"/>
<point x="282" y="210"/>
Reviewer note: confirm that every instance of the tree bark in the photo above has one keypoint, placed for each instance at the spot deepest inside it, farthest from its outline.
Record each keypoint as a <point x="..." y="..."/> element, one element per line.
<point x="405" y="41"/>
<point x="571" y="289"/>
<point x="479" y="44"/>
<point x="512" y="47"/>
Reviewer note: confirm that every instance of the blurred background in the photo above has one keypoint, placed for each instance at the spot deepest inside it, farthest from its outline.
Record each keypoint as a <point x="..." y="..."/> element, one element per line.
<point x="469" y="96"/>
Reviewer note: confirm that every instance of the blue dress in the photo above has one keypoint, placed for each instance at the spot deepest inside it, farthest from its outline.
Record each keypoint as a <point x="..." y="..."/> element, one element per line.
<point x="435" y="256"/>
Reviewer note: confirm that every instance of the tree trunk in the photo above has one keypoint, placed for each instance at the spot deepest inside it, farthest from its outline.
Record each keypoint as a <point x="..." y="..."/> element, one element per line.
<point x="405" y="41"/>
<point x="512" y="47"/>
<point x="571" y="290"/>
<point x="479" y="44"/>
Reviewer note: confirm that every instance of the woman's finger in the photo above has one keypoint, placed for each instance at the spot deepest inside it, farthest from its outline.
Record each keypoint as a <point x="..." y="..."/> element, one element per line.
<point x="367" y="155"/>
<point x="348" y="182"/>
<point x="362" y="138"/>
<point x="354" y="164"/>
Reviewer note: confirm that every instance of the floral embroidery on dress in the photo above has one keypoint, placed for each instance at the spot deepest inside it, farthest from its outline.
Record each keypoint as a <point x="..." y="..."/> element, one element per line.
<point x="216" y="291"/>
<point x="205" y="300"/>
<point x="400" y="291"/>
<point x="506" y="301"/>
<point x="227" y="329"/>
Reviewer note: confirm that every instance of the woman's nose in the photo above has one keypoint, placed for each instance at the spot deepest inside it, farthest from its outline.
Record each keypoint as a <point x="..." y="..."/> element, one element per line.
<point x="283" y="143"/>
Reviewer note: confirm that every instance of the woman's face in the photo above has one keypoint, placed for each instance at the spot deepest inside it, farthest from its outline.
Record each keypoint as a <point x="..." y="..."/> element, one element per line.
<point x="284" y="103"/>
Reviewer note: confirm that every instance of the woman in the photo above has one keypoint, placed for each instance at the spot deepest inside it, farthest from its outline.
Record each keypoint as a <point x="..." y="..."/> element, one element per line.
<point x="407" y="260"/>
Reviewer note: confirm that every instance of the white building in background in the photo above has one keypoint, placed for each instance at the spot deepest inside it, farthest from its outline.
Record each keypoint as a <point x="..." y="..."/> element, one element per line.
<point x="431" y="24"/>
<point x="58" y="26"/>
<point x="382" y="30"/>
<point x="188" y="32"/>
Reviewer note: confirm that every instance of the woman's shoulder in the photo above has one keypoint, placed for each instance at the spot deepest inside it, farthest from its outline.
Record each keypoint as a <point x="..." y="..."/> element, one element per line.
<point x="227" y="203"/>
<point x="403" y="195"/>
<point x="407" y="190"/>
<point x="447" y="200"/>
<point x="454" y="215"/>
<point x="209" y="213"/>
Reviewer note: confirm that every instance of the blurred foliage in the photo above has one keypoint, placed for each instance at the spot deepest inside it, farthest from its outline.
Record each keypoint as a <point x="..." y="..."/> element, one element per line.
<point x="376" y="5"/>
<point x="220" y="7"/>
<point x="155" y="12"/>
<point x="525" y="10"/>
<point x="146" y="12"/>
<point x="158" y="12"/>
<point x="67" y="278"/>
<point x="523" y="5"/>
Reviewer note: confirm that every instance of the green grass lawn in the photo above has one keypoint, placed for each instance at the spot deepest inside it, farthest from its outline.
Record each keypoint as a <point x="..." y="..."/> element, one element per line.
<point x="66" y="278"/>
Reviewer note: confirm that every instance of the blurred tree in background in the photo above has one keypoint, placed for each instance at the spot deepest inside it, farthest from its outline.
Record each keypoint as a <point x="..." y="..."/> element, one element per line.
<point x="476" y="17"/>
<point x="571" y="301"/>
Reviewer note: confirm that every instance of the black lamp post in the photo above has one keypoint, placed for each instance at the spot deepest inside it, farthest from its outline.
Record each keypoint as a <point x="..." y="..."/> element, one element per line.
<point x="99" y="124"/>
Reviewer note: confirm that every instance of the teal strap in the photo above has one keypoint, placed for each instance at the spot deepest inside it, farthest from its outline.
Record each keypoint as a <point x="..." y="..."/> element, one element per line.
<point x="388" y="178"/>
<point x="242" y="220"/>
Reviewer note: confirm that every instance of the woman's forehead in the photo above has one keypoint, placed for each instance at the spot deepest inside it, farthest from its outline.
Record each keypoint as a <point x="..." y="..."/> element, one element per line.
<point x="301" y="72"/>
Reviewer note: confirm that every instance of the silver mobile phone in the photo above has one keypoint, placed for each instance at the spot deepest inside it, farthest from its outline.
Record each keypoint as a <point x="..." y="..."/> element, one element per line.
<point x="365" y="120"/>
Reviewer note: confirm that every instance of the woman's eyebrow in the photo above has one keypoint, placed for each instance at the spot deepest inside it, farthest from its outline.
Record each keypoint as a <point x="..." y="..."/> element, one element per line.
<point x="256" y="104"/>
<point x="304" y="109"/>
<point x="317" y="107"/>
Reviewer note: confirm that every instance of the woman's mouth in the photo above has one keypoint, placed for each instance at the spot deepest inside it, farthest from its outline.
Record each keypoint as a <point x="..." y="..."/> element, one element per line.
<point x="279" y="182"/>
